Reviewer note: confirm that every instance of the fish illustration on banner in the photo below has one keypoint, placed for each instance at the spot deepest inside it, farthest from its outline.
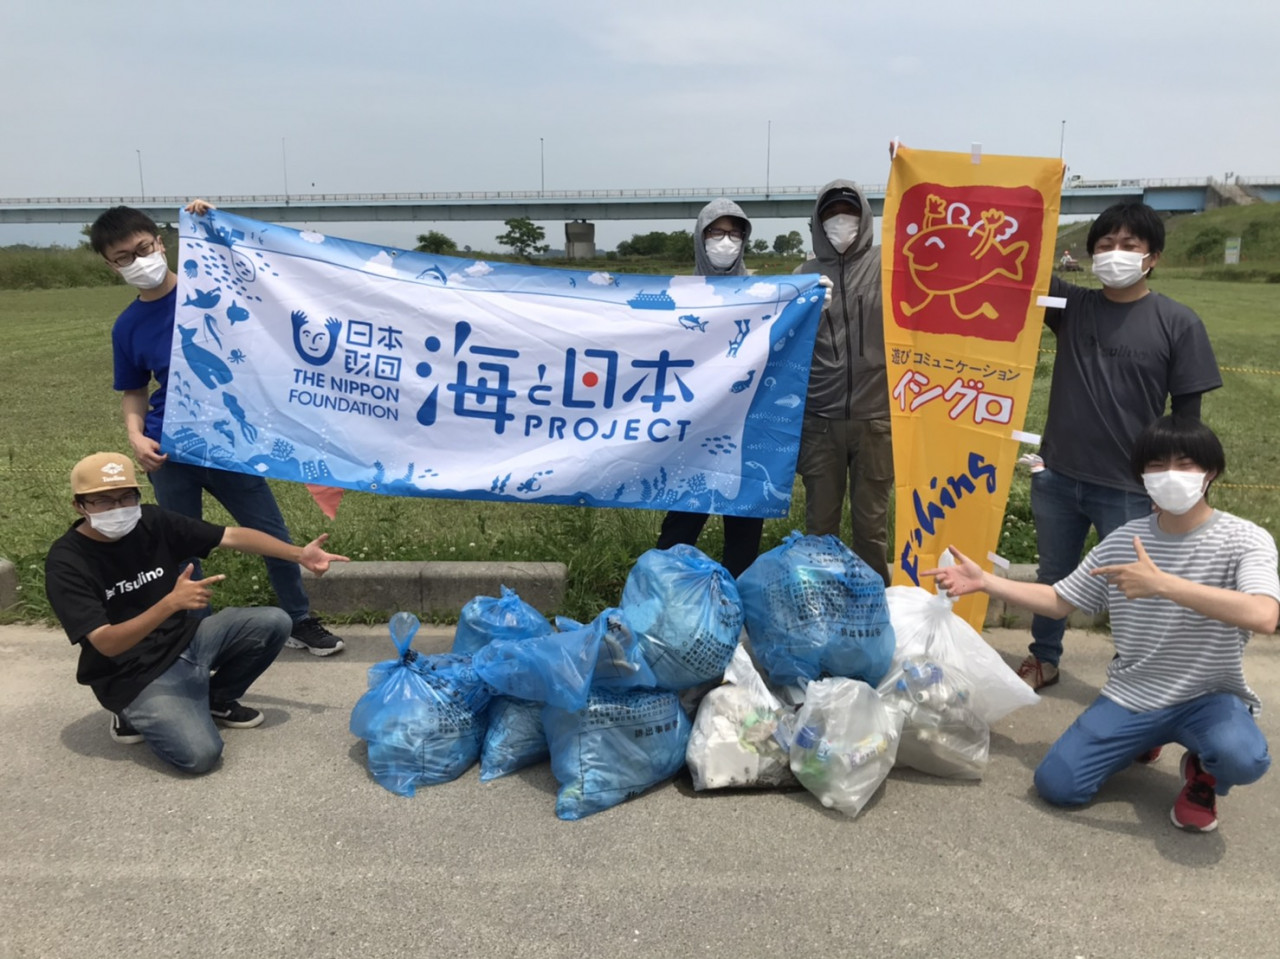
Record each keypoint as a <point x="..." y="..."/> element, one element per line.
<point x="350" y="366"/>
<point x="968" y="252"/>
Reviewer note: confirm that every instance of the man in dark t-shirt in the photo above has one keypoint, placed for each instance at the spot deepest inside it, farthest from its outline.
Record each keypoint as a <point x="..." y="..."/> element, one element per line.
<point x="121" y="584"/>
<point x="1122" y="352"/>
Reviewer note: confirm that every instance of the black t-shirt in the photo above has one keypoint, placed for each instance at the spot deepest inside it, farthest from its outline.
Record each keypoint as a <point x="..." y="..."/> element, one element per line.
<point x="92" y="584"/>
<point x="1116" y="366"/>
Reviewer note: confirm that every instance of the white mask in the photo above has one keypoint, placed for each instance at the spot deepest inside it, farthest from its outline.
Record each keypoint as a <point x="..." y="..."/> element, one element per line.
<point x="1174" y="491"/>
<point x="724" y="252"/>
<point x="146" y="272"/>
<point x="841" y="230"/>
<point x="116" y="523"/>
<point x="1119" y="269"/>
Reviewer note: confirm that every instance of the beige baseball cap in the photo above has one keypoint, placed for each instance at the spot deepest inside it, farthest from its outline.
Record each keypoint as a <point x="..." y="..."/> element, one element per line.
<point x="102" y="471"/>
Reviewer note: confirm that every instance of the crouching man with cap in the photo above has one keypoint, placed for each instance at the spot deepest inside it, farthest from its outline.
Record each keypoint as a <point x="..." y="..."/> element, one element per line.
<point x="120" y="584"/>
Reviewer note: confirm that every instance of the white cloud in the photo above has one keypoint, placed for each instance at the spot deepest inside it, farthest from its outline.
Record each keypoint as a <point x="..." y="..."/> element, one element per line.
<point x="762" y="291"/>
<point x="478" y="268"/>
<point x="311" y="236"/>
<point x="690" y="292"/>
<point x="382" y="263"/>
<point x="600" y="279"/>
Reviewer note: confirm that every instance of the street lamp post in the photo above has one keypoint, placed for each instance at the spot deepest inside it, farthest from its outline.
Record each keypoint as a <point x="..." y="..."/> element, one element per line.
<point x="768" y="156"/>
<point x="542" y="166"/>
<point x="141" y="187"/>
<point x="284" y="162"/>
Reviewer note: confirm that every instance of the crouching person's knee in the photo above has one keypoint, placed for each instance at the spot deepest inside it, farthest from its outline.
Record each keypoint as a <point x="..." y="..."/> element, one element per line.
<point x="193" y="757"/>
<point x="1237" y="768"/>
<point x="1057" y="783"/>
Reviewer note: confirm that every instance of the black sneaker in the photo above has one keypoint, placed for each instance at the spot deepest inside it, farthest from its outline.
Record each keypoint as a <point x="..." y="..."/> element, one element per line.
<point x="310" y="634"/>
<point x="122" y="732"/>
<point x="234" y="716"/>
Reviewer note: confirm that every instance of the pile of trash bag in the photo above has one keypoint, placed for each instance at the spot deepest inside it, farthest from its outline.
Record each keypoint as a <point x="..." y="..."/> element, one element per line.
<point x="813" y="608"/>
<point x="422" y="716"/>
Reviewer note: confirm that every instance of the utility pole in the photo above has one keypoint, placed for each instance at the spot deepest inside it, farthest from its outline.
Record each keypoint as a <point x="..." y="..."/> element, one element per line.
<point x="768" y="156"/>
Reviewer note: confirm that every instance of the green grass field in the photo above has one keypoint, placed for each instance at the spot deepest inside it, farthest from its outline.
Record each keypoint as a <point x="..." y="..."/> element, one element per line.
<point x="55" y="392"/>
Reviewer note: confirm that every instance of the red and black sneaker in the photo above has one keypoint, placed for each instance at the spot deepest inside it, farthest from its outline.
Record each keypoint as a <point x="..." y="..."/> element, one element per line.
<point x="1150" y="756"/>
<point x="1196" y="806"/>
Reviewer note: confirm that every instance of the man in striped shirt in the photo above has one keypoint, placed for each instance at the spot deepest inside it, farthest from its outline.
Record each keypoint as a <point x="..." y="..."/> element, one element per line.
<point x="1185" y="587"/>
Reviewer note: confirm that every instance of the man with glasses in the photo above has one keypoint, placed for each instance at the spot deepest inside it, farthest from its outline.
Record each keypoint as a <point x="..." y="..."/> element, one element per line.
<point x="141" y="343"/>
<point x="121" y="584"/>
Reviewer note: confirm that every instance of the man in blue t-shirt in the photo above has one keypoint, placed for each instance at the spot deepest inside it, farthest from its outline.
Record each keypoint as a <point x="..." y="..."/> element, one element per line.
<point x="1123" y="352"/>
<point x="121" y="584"/>
<point x="141" y="343"/>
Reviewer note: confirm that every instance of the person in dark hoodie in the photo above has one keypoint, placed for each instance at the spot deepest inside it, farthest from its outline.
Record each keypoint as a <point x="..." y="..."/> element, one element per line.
<point x="845" y="444"/>
<point x="720" y="239"/>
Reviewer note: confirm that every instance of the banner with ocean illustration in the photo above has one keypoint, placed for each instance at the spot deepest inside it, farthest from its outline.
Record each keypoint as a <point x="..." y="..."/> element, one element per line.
<point x="968" y="255"/>
<point x="304" y="357"/>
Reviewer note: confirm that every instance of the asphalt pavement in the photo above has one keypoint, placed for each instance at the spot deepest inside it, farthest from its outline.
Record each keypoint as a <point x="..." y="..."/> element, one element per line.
<point x="290" y="849"/>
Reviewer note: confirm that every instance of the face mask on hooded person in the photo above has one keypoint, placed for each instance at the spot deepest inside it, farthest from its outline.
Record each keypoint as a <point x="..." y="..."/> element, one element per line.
<point x="1119" y="269"/>
<point x="116" y="523"/>
<point x="146" y="272"/>
<point x="723" y="252"/>
<point x="1175" y="491"/>
<point x="841" y="229"/>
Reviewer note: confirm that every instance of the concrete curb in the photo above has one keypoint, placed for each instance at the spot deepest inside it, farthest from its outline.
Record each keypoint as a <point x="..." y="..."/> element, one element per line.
<point x="8" y="584"/>
<point x="431" y="588"/>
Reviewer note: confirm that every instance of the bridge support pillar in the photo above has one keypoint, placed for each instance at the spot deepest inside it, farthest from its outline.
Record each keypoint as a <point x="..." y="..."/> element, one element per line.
<point x="579" y="240"/>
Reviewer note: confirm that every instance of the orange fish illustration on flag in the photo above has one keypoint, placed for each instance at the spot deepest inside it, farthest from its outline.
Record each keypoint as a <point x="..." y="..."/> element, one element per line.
<point x="949" y="257"/>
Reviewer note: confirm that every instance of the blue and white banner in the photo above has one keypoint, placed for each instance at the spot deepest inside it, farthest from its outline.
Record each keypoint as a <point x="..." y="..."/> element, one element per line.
<point x="304" y="357"/>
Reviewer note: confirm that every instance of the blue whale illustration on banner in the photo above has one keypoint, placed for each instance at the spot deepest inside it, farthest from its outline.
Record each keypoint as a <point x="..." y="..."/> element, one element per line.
<point x="314" y="359"/>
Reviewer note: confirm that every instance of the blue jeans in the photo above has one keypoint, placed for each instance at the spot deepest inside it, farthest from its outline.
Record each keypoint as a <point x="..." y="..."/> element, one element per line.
<point x="1064" y="509"/>
<point x="180" y="487"/>
<point x="172" y="711"/>
<point x="1106" y="738"/>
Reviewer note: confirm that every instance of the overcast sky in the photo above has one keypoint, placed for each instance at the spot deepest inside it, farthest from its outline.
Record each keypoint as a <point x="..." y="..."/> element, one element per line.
<point x="379" y="96"/>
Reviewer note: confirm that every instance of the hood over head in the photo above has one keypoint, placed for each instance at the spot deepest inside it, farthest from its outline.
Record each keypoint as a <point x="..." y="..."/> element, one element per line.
<point x="710" y="213"/>
<point x="834" y="191"/>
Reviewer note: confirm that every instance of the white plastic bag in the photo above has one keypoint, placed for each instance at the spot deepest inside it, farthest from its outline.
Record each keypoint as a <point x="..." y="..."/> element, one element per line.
<point x="925" y="627"/>
<point x="941" y="735"/>
<point x="845" y="743"/>
<point x="733" y="741"/>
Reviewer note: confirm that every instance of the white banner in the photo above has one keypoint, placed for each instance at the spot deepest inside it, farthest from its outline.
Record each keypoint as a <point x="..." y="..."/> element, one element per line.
<point x="304" y="357"/>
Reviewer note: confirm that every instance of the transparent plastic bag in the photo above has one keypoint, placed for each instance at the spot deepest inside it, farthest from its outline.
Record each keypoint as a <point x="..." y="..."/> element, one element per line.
<point x="812" y="608"/>
<point x="514" y="737"/>
<point x="940" y="733"/>
<point x="844" y="745"/>
<point x="487" y="618"/>
<point x="926" y="627"/>
<point x="735" y="739"/>
<point x="684" y="610"/>
<point x="422" y="717"/>
<point x="622" y="743"/>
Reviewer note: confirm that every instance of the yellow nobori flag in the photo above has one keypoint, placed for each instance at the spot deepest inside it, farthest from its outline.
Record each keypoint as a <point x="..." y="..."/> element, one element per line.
<point x="968" y="252"/>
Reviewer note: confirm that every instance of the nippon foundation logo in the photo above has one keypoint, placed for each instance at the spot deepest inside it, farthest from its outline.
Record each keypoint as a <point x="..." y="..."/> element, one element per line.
<point x="965" y="259"/>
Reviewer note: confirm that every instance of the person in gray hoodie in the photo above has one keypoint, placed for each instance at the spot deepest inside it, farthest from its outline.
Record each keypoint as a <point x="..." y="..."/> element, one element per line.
<point x="720" y="240"/>
<point x="846" y="443"/>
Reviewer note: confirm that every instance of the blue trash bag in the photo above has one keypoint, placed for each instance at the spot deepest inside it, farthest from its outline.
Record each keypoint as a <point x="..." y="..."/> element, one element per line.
<point x="685" y="611"/>
<point x="620" y="663"/>
<point x="555" y="669"/>
<point x="486" y="618"/>
<point x="622" y="743"/>
<point x="514" y="738"/>
<point x="423" y="716"/>
<point x="814" y="608"/>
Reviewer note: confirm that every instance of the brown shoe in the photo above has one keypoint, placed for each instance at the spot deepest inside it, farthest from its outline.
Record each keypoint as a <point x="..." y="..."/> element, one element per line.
<point x="1038" y="674"/>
